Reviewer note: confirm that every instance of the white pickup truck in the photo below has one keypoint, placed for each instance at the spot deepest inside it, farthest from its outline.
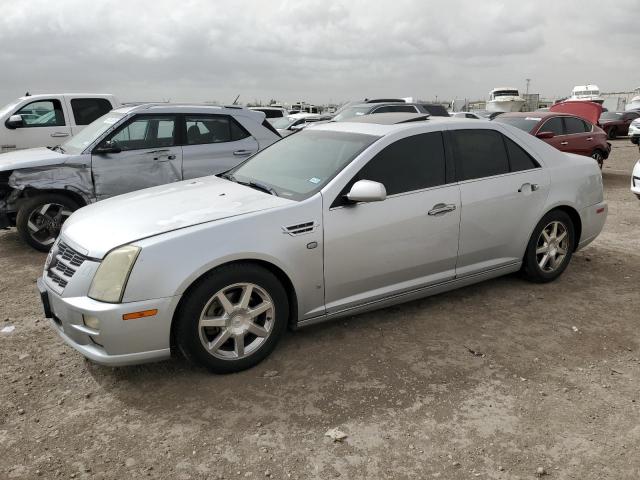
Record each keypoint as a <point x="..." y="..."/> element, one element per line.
<point x="49" y="119"/>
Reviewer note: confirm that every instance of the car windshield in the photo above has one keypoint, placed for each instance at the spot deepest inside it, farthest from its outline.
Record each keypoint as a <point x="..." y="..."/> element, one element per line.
<point x="301" y="164"/>
<point x="611" y="116"/>
<point x="351" y="112"/>
<point x="88" y="134"/>
<point x="523" y="123"/>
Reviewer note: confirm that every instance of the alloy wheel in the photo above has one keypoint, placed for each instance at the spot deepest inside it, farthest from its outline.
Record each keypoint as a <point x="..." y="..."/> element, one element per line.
<point x="552" y="246"/>
<point x="45" y="222"/>
<point x="236" y="321"/>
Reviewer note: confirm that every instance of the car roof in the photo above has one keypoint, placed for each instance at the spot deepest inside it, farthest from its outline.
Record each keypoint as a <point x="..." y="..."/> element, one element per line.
<point x="185" y="108"/>
<point x="391" y="118"/>
<point x="536" y="114"/>
<point x="378" y="129"/>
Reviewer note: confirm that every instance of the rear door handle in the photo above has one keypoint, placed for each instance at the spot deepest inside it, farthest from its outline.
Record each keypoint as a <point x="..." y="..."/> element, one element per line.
<point x="441" y="209"/>
<point x="589" y="139"/>
<point x="242" y="153"/>
<point x="59" y="134"/>
<point x="533" y="186"/>
<point x="564" y="143"/>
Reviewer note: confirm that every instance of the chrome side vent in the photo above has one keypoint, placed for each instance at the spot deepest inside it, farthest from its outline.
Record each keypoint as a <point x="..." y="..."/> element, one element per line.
<point x="300" y="228"/>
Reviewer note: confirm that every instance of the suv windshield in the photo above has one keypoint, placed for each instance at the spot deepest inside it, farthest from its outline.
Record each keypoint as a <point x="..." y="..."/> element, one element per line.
<point x="523" y="123"/>
<point x="283" y="123"/>
<point x="351" y="112"/>
<point x="88" y="134"/>
<point x="301" y="164"/>
<point x="611" y="116"/>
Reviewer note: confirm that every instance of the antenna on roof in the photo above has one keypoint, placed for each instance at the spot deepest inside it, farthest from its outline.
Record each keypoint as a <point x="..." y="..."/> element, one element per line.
<point x="235" y="102"/>
<point x="27" y="94"/>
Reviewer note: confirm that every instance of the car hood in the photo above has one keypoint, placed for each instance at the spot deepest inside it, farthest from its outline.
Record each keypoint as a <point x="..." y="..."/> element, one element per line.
<point x="31" y="157"/>
<point x="590" y="111"/>
<point x="102" y="226"/>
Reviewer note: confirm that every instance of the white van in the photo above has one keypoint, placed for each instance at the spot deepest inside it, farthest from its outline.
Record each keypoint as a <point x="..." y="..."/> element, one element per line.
<point x="49" y="119"/>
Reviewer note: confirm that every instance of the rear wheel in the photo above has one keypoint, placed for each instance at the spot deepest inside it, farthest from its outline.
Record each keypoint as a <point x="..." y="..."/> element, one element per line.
<point x="613" y="133"/>
<point x="598" y="156"/>
<point x="233" y="318"/>
<point x="40" y="218"/>
<point x="550" y="248"/>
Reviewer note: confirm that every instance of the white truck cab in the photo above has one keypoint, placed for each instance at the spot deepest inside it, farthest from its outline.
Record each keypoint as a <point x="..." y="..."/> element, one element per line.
<point x="49" y="119"/>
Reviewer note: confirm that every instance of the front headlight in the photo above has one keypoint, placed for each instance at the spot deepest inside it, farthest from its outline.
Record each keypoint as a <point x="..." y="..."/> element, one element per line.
<point x="111" y="278"/>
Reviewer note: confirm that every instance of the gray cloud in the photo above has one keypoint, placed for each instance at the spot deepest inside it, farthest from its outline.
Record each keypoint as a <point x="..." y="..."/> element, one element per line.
<point x="316" y="50"/>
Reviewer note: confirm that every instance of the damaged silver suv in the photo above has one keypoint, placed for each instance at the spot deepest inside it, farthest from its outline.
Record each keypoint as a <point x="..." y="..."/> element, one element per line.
<point x="127" y="149"/>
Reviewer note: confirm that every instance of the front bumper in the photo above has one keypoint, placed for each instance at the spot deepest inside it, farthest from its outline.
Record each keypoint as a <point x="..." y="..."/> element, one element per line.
<point x="116" y="342"/>
<point x="635" y="179"/>
<point x="634" y="134"/>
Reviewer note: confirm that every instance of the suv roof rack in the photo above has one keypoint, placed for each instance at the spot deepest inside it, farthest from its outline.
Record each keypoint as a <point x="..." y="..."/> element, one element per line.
<point x="384" y="100"/>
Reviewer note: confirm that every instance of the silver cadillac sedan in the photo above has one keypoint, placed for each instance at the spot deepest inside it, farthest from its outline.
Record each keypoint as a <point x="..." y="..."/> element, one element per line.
<point x="338" y="219"/>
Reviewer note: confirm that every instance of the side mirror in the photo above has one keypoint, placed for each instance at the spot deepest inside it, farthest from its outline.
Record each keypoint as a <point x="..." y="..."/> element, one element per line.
<point x="110" y="146"/>
<point x="297" y="128"/>
<point x="543" y="135"/>
<point x="14" y="121"/>
<point x="367" y="191"/>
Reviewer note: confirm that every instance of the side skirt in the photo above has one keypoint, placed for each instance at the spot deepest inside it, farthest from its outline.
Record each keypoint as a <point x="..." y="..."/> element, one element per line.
<point x="414" y="294"/>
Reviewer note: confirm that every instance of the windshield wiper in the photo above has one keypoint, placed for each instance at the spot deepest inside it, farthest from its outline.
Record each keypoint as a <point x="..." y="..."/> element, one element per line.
<point x="253" y="184"/>
<point x="261" y="186"/>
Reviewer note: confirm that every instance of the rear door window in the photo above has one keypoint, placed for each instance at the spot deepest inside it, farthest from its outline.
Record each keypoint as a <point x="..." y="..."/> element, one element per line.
<point x="42" y="113"/>
<point x="204" y="129"/>
<point x="86" y="110"/>
<point x="518" y="158"/>
<point x="479" y="154"/>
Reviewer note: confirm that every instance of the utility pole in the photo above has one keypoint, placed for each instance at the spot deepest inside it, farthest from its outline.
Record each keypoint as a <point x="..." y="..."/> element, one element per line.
<point x="528" y="80"/>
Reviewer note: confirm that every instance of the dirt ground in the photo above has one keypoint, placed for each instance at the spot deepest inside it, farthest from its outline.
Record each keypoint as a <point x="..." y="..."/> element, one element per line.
<point x="554" y="384"/>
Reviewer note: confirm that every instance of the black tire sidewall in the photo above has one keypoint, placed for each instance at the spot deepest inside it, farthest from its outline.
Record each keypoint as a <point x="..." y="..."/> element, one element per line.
<point x="531" y="268"/>
<point x="29" y="205"/>
<point x="187" y="335"/>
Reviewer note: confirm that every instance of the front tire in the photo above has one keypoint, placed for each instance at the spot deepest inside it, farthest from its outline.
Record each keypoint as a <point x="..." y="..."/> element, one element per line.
<point x="550" y="248"/>
<point x="613" y="133"/>
<point x="233" y="318"/>
<point x="40" y="218"/>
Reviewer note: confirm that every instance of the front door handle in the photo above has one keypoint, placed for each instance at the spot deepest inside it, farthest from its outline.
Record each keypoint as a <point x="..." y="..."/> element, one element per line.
<point x="564" y="143"/>
<point x="532" y="186"/>
<point x="59" y="134"/>
<point x="441" y="209"/>
<point x="242" y="153"/>
<point x="171" y="157"/>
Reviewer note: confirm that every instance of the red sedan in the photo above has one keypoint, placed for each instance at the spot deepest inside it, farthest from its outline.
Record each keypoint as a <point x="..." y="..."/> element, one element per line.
<point x="616" y="124"/>
<point x="569" y="133"/>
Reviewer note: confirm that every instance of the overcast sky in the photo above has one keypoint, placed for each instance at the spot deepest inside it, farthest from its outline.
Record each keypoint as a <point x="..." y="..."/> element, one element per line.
<point x="316" y="50"/>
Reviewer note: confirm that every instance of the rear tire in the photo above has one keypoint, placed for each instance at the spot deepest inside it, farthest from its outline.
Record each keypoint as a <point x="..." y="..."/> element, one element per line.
<point x="550" y="248"/>
<point x="233" y="318"/>
<point x="40" y="218"/>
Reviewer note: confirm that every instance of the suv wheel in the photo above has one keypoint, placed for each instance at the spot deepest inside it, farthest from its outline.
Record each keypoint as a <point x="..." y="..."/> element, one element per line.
<point x="40" y="218"/>
<point x="550" y="248"/>
<point x="233" y="318"/>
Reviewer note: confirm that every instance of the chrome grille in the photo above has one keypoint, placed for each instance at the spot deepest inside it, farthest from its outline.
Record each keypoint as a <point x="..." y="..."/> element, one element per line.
<point x="64" y="264"/>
